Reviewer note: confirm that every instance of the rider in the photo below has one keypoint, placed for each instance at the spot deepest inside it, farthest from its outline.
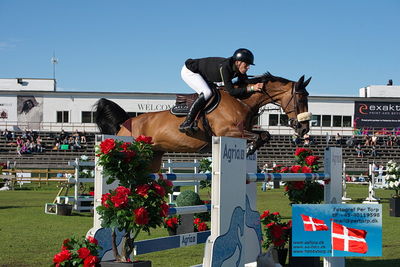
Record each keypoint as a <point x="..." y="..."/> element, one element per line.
<point x="199" y="73"/>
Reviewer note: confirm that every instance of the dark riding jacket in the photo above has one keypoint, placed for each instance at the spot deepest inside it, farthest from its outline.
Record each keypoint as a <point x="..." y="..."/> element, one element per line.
<point x="219" y="69"/>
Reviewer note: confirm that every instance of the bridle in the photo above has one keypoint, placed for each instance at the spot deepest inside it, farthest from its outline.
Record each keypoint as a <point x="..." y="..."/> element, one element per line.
<point x="295" y="123"/>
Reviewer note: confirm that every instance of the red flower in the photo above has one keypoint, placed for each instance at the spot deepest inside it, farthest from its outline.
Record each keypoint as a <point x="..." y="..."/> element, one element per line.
<point x="141" y="216"/>
<point x="197" y="221"/>
<point x="119" y="200"/>
<point x="311" y="160"/>
<point x="270" y="225"/>
<point x="300" y="150"/>
<point x="275" y="213"/>
<point x="125" y="146"/>
<point x="123" y="190"/>
<point x="129" y="155"/>
<point x="167" y="182"/>
<point x="306" y="169"/>
<point x="92" y="240"/>
<point x="159" y="189"/>
<point x="83" y="253"/>
<point x="202" y="227"/>
<point x="142" y="190"/>
<point x="62" y="256"/>
<point x="285" y="169"/>
<point x="90" y="261"/>
<point x="295" y="168"/>
<point x="104" y="199"/>
<point x="286" y="188"/>
<point x="299" y="185"/>
<point x="265" y="214"/>
<point x="91" y="193"/>
<point x="144" y="139"/>
<point x="276" y="231"/>
<point x="164" y="209"/>
<point x="107" y="145"/>
<point x="172" y="222"/>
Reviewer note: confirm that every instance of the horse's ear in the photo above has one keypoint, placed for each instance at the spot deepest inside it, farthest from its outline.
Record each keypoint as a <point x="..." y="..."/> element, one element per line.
<point x="300" y="81"/>
<point x="306" y="82"/>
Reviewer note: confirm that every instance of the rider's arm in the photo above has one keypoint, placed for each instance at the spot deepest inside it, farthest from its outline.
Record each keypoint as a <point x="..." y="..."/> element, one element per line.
<point x="227" y="76"/>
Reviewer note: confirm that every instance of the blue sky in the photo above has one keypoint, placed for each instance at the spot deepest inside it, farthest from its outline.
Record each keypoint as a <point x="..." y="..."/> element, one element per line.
<point x="140" y="46"/>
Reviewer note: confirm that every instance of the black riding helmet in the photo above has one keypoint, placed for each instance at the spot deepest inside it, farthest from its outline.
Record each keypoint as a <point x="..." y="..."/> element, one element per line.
<point x="245" y="55"/>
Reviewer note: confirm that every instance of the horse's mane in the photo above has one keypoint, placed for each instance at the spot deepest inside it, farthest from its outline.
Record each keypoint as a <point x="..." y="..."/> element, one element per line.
<point x="267" y="77"/>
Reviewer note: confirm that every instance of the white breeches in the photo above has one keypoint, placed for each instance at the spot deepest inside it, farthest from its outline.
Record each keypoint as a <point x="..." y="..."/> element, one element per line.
<point x="196" y="82"/>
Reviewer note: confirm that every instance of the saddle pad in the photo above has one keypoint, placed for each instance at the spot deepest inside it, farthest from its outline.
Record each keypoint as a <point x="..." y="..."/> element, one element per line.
<point x="185" y="101"/>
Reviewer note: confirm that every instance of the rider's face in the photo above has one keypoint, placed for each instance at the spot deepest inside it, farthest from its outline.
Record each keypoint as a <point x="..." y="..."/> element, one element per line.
<point x="243" y="67"/>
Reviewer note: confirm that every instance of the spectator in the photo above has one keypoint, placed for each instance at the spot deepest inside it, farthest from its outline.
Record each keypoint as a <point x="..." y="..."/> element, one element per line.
<point x="83" y="138"/>
<point x="367" y="140"/>
<point x="389" y="140"/>
<point x="338" y="139"/>
<point x="360" y="152"/>
<point x="306" y="139"/>
<point x="39" y="147"/>
<point x="351" y="141"/>
<point x="374" y="140"/>
<point x="57" y="143"/>
<point x="373" y="152"/>
<point x="77" y="143"/>
<point x="295" y="139"/>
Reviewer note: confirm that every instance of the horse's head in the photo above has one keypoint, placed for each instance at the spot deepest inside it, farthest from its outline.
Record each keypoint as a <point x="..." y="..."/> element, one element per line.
<point x="291" y="96"/>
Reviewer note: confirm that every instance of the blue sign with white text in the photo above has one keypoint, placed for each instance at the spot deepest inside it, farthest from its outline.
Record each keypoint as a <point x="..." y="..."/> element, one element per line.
<point x="337" y="230"/>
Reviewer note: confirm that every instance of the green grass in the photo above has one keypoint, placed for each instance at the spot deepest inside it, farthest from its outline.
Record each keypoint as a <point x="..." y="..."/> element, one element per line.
<point x="29" y="237"/>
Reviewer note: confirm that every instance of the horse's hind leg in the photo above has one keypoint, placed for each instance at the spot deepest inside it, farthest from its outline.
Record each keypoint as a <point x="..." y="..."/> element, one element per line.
<point x="156" y="163"/>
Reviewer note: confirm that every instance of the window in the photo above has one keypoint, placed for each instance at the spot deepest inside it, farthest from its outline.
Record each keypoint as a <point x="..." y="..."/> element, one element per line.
<point x="273" y="119"/>
<point x="88" y="116"/>
<point x="62" y="116"/>
<point x="316" y="120"/>
<point x="337" y="121"/>
<point x="346" y="121"/>
<point x="326" y="120"/>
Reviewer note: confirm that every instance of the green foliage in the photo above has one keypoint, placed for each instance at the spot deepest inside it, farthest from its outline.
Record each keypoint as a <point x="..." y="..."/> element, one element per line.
<point x="124" y="161"/>
<point x="205" y="167"/>
<point x="188" y="198"/>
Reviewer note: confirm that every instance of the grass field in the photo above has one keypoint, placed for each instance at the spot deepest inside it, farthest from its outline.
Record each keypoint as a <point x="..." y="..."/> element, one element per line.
<point x="29" y="237"/>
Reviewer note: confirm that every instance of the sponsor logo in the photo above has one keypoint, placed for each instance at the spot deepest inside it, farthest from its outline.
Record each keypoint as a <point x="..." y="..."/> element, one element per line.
<point x="233" y="153"/>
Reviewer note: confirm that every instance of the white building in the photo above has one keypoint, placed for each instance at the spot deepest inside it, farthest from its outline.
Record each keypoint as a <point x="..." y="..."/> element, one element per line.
<point x="35" y="104"/>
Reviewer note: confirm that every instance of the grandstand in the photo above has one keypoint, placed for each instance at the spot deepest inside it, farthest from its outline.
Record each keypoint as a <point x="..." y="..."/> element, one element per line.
<point x="279" y="151"/>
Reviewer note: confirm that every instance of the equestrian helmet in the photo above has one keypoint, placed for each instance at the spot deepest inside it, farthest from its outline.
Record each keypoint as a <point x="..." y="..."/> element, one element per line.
<point x="245" y="55"/>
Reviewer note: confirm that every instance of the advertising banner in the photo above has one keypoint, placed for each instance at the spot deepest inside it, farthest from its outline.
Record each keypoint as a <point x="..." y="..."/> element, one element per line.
<point x="376" y="114"/>
<point x="337" y="230"/>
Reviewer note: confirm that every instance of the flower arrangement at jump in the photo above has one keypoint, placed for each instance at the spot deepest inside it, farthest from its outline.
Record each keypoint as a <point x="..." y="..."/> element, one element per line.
<point x="199" y="225"/>
<point x="78" y="252"/>
<point x="393" y="177"/>
<point x="310" y="192"/>
<point x="276" y="232"/>
<point x="172" y="223"/>
<point x="138" y="203"/>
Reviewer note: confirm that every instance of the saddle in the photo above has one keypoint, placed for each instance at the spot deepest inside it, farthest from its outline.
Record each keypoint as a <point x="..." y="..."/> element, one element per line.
<point x="185" y="101"/>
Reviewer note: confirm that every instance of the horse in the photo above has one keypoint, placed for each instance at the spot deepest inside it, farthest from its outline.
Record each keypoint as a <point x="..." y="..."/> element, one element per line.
<point x="233" y="117"/>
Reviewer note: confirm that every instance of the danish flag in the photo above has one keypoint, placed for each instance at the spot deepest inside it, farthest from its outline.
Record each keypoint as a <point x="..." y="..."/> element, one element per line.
<point x="348" y="239"/>
<point x="312" y="224"/>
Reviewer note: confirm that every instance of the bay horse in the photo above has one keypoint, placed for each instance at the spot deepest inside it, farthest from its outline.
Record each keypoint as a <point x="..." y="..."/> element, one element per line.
<point x="232" y="117"/>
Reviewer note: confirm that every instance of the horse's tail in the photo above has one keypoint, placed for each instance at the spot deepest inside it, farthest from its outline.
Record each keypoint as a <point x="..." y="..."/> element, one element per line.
<point x="109" y="116"/>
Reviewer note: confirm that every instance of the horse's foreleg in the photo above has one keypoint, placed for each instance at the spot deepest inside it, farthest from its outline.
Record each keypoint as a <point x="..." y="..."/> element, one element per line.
<point x="262" y="138"/>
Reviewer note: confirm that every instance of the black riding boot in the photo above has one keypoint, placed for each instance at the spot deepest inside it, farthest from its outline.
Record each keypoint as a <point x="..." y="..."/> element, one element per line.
<point x="198" y="104"/>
